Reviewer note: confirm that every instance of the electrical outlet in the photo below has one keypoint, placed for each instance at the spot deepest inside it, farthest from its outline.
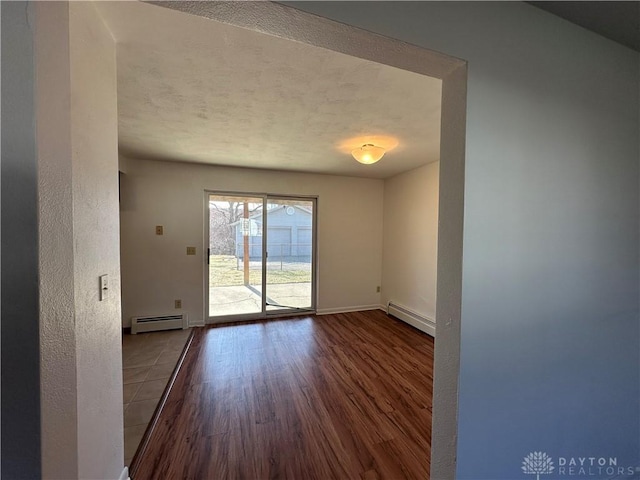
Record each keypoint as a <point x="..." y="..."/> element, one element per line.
<point x="178" y="303"/>
<point x="378" y="289"/>
<point x="159" y="230"/>
<point x="191" y="250"/>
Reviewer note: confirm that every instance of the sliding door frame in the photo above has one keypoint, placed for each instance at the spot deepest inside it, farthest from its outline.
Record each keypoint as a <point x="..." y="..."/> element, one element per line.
<point x="240" y="317"/>
<point x="314" y="257"/>
<point x="263" y="314"/>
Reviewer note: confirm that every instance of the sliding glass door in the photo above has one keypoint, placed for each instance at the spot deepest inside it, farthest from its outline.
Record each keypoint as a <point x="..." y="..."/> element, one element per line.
<point x="290" y="254"/>
<point x="261" y="256"/>
<point x="235" y="255"/>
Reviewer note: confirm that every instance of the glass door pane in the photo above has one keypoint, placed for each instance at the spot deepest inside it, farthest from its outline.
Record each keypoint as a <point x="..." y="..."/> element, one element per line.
<point x="290" y="250"/>
<point x="235" y="256"/>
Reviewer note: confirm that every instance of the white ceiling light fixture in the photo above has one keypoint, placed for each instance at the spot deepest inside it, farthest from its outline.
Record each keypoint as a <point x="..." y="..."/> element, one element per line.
<point x="368" y="153"/>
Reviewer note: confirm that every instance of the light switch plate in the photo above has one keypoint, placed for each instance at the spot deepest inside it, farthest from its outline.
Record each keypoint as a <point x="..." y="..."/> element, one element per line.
<point x="191" y="250"/>
<point x="104" y="286"/>
<point x="159" y="230"/>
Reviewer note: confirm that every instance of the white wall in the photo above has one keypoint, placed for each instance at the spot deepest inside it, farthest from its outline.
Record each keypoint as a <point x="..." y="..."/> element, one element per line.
<point x="550" y="328"/>
<point x="156" y="269"/>
<point x="94" y="138"/>
<point x="81" y="364"/>
<point x="410" y="240"/>
<point x="55" y="203"/>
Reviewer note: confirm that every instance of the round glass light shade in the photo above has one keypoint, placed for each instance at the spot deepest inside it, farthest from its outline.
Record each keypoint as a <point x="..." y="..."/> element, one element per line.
<point x="368" y="154"/>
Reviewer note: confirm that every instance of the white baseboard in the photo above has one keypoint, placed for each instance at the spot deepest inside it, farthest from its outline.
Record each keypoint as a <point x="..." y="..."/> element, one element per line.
<point x="358" y="308"/>
<point x="421" y="322"/>
<point x="125" y="474"/>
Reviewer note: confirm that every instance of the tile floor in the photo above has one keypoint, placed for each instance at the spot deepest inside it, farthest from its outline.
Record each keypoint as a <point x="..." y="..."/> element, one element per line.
<point x="148" y="360"/>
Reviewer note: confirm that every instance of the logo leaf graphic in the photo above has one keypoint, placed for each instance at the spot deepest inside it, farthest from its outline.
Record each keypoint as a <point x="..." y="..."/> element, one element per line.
<point x="537" y="463"/>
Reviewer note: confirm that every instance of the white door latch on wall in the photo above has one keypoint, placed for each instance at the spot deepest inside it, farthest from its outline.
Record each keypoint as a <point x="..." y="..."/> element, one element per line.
<point x="104" y="286"/>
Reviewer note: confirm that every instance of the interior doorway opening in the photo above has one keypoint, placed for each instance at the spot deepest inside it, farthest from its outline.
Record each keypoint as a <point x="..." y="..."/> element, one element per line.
<point x="261" y="256"/>
<point x="277" y="20"/>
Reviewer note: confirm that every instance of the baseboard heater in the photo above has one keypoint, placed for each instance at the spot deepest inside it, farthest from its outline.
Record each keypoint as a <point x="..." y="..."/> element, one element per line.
<point x="414" y="319"/>
<point x="153" y="324"/>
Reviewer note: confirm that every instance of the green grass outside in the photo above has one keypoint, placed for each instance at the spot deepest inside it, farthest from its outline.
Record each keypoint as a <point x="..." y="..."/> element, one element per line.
<point x="223" y="272"/>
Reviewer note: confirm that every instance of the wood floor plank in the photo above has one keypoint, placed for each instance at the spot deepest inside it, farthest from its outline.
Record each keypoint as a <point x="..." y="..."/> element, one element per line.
<point x="340" y="396"/>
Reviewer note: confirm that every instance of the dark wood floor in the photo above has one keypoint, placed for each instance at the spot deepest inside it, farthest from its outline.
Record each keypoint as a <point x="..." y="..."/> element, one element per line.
<point x="341" y="396"/>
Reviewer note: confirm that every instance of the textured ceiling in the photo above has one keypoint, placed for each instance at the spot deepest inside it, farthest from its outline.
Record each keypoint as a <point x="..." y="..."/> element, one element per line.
<point x="195" y="90"/>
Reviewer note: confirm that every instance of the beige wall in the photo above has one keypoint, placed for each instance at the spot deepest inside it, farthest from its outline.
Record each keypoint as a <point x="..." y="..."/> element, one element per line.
<point x="156" y="269"/>
<point x="81" y="365"/>
<point x="411" y="240"/>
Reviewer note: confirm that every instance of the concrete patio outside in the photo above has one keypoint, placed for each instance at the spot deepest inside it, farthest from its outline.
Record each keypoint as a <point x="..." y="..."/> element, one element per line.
<point x="245" y="299"/>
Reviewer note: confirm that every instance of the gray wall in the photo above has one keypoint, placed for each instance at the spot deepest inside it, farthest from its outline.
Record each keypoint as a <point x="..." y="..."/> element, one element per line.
<point x="550" y="333"/>
<point x="20" y="355"/>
